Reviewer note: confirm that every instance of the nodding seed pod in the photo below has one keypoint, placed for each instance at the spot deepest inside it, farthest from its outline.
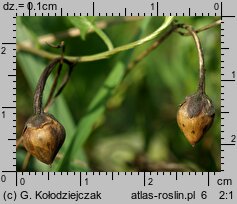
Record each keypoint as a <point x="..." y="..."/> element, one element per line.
<point x="195" y="116"/>
<point x="196" y="113"/>
<point x="43" y="136"/>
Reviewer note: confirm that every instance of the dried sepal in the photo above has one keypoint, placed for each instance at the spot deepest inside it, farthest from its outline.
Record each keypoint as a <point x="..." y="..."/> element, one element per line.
<point x="195" y="116"/>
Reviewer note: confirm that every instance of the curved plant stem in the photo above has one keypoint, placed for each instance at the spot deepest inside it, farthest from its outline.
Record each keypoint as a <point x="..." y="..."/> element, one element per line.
<point x="201" y="85"/>
<point x="38" y="109"/>
<point x="41" y="84"/>
<point x="104" y="37"/>
<point x="102" y="55"/>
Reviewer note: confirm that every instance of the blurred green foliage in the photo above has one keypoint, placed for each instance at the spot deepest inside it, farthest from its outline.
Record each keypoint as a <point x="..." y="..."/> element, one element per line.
<point x="138" y="130"/>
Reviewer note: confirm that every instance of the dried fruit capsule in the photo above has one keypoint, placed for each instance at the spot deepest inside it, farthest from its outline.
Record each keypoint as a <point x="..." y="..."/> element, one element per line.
<point x="43" y="136"/>
<point x="196" y="113"/>
<point x="195" y="116"/>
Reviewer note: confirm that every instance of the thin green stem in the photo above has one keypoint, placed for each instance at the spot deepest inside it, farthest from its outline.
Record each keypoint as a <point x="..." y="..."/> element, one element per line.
<point x="104" y="37"/>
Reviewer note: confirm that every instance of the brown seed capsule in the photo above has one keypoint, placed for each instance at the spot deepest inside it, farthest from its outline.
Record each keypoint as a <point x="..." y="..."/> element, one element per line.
<point x="195" y="116"/>
<point x="43" y="136"/>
